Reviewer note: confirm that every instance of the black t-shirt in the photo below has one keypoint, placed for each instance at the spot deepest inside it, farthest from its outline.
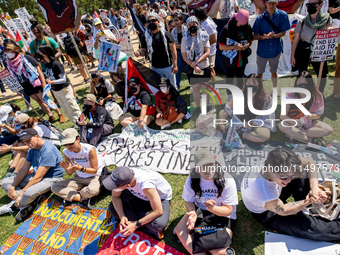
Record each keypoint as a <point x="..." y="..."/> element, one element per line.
<point x="53" y="71"/>
<point x="159" y="55"/>
<point x="143" y="98"/>
<point x="142" y="19"/>
<point x="25" y="83"/>
<point x="335" y="4"/>
<point x="179" y="37"/>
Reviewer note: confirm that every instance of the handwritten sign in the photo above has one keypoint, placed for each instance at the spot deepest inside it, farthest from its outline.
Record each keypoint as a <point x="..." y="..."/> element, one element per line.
<point x="109" y="56"/>
<point x="324" y="44"/>
<point x="11" y="81"/>
<point x="125" y="42"/>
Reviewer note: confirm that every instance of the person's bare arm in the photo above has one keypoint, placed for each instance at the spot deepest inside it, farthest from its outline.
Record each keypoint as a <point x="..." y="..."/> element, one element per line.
<point x="296" y="6"/>
<point x="213" y="39"/>
<point x="156" y="205"/>
<point x="223" y="210"/>
<point x="204" y="56"/>
<point x="278" y="207"/>
<point x="58" y="54"/>
<point x="260" y="6"/>
<point x="174" y="57"/>
<point x="333" y="10"/>
<point x="294" y="45"/>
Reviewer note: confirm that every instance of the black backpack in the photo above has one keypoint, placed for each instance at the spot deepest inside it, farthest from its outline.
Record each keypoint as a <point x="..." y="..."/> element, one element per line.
<point x="69" y="47"/>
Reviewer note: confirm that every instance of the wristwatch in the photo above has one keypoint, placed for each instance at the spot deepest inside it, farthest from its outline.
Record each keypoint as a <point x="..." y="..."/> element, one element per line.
<point x="138" y="224"/>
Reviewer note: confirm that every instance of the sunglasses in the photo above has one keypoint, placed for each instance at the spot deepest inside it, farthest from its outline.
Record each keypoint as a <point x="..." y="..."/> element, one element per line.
<point x="152" y="21"/>
<point x="176" y="20"/>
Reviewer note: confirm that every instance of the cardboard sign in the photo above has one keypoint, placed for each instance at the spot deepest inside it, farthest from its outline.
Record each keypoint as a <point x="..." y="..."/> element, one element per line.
<point x="24" y="17"/>
<point x="137" y="243"/>
<point x="125" y="42"/>
<point x="324" y="44"/>
<point x="89" y="46"/>
<point x="11" y="81"/>
<point x="109" y="56"/>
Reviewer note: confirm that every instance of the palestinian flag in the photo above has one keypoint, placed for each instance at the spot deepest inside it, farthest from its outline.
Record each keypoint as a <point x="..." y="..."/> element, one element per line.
<point x="18" y="40"/>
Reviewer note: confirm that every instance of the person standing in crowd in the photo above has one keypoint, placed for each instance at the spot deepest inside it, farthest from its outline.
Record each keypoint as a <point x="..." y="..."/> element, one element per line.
<point x="211" y="28"/>
<point x="304" y="38"/>
<point x="82" y="159"/>
<point x="100" y="121"/>
<point x="290" y="6"/>
<point x="178" y="33"/>
<point x="235" y="40"/>
<point x="71" y="50"/>
<point x="140" y="197"/>
<point x="121" y="22"/>
<point x="282" y="175"/>
<point x="28" y="73"/>
<point x="101" y="88"/>
<point x="139" y="13"/>
<point x="160" y="12"/>
<point x="170" y="106"/>
<point x="268" y="28"/>
<point x="113" y="17"/>
<point x="208" y="194"/>
<point x="257" y="132"/>
<point x="230" y="8"/>
<point x="25" y="187"/>
<point x="161" y="48"/>
<point x="306" y="128"/>
<point x="139" y="103"/>
<point x="60" y="86"/>
<point x="118" y="79"/>
<point x="195" y="48"/>
<point x="101" y="35"/>
<point x="82" y="35"/>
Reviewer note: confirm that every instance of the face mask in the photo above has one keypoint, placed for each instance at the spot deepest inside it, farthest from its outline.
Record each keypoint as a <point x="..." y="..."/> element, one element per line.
<point x="118" y="190"/>
<point x="192" y="29"/>
<point x="152" y="26"/>
<point x="164" y="89"/>
<point x="10" y="55"/>
<point x="184" y="6"/>
<point x="116" y="15"/>
<point x="311" y="9"/>
<point x="9" y="119"/>
<point x="88" y="107"/>
<point x="133" y="90"/>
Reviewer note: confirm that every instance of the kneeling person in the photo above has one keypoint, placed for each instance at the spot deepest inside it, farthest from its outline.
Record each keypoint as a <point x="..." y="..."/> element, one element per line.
<point x="80" y="158"/>
<point x="139" y="197"/>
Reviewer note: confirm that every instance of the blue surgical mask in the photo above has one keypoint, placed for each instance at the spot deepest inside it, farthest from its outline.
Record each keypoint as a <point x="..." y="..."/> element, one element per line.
<point x="10" y="118"/>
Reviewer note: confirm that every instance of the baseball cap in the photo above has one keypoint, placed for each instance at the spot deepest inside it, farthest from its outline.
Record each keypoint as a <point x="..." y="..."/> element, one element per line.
<point x="97" y="75"/>
<point x="272" y="1"/>
<point x="97" y="21"/>
<point x="21" y="118"/>
<point x="28" y="133"/>
<point x="134" y="80"/>
<point x="203" y="157"/>
<point x="69" y="136"/>
<point x="4" y="112"/>
<point x="122" y="175"/>
<point x="90" y="97"/>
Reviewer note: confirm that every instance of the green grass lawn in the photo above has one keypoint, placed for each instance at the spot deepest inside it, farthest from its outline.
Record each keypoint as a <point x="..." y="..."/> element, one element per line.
<point x="248" y="237"/>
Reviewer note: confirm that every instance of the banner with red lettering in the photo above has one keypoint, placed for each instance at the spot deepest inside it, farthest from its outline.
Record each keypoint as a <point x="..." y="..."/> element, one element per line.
<point x="138" y="243"/>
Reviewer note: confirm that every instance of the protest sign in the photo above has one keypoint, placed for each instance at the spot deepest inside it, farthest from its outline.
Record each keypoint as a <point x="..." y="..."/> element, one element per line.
<point x="61" y="16"/>
<point x="89" y="46"/>
<point x="109" y="56"/>
<point x="125" y="42"/>
<point x="103" y="15"/>
<point x="24" y="17"/>
<point x="137" y="243"/>
<point x="46" y="99"/>
<point x="10" y="81"/>
<point x="19" y="25"/>
<point x="324" y="44"/>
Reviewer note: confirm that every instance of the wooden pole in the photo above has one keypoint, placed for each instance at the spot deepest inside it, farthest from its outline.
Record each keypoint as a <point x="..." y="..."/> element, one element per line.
<point x="79" y="54"/>
<point x="320" y="74"/>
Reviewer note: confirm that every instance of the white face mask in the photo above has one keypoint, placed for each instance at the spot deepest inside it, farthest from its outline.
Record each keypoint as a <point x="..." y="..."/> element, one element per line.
<point x="118" y="190"/>
<point x="184" y="6"/>
<point x="10" y="55"/>
<point x="164" y="89"/>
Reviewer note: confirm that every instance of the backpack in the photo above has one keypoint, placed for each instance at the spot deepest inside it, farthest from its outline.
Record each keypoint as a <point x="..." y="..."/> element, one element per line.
<point x="35" y="45"/>
<point x="69" y="47"/>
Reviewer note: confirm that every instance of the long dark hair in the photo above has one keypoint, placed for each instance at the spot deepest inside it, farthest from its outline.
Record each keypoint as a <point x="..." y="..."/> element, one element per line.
<point x="218" y="181"/>
<point x="310" y="87"/>
<point x="260" y="96"/>
<point x="47" y="50"/>
<point x="233" y="28"/>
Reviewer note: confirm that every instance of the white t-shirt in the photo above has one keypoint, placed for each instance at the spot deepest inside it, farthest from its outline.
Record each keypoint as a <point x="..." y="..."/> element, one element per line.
<point x="108" y="86"/>
<point x="256" y="191"/>
<point x="96" y="52"/>
<point x="210" y="26"/>
<point x="210" y="191"/>
<point x="147" y="179"/>
<point x="229" y="8"/>
<point x="45" y="133"/>
<point x="203" y="64"/>
<point x="83" y="159"/>
<point x="4" y="112"/>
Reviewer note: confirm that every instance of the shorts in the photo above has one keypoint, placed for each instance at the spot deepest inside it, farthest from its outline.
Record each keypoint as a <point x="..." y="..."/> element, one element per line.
<point x="262" y="62"/>
<point x="77" y="60"/>
<point x="212" y="60"/>
<point x="260" y="132"/>
<point x="195" y="79"/>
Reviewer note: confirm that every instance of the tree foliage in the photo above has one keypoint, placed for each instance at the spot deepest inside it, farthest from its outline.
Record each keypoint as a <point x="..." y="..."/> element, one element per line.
<point x="31" y="6"/>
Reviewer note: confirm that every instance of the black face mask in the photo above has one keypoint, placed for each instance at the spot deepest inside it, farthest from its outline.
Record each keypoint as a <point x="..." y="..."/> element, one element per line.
<point x="133" y="89"/>
<point x="87" y="107"/>
<point x="152" y="26"/>
<point x="192" y="29"/>
<point x="311" y="9"/>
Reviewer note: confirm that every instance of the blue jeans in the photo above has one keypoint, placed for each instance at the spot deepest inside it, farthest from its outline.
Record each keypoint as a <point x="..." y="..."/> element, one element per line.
<point x="179" y="66"/>
<point x="166" y="73"/>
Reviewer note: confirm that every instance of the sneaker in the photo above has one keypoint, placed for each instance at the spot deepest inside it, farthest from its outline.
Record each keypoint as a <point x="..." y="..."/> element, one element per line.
<point x="27" y="109"/>
<point x="7" y="208"/>
<point x="93" y="65"/>
<point x="165" y="126"/>
<point x="89" y="202"/>
<point x="159" y="235"/>
<point x="72" y="69"/>
<point x="77" y="68"/>
<point x="180" y="121"/>
<point x="62" y="118"/>
<point x="26" y="211"/>
<point x="66" y="203"/>
<point x="86" y="81"/>
<point x="230" y="251"/>
<point x="4" y="93"/>
<point x="76" y="126"/>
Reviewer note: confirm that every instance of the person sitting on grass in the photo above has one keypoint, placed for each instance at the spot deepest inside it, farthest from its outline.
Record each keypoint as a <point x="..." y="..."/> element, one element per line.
<point x="208" y="195"/>
<point x="139" y="197"/>
<point x="139" y="101"/>
<point x="261" y="101"/>
<point x="101" y="88"/>
<point x="306" y="128"/>
<point x="118" y="79"/>
<point x="282" y="175"/>
<point x="25" y="187"/>
<point x="99" y="121"/>
<point x="82" y="159"/>
<point x="8" y="112"/>
<point x="170" y="106"/>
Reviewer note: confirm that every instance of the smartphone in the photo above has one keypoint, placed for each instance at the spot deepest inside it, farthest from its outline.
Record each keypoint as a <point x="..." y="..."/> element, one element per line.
<point x="200" y="73"/>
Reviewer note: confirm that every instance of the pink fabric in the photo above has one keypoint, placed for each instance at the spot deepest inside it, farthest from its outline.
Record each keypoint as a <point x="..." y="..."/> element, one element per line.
<point x="242" y="16"/>
<point x="15" y="64"/>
